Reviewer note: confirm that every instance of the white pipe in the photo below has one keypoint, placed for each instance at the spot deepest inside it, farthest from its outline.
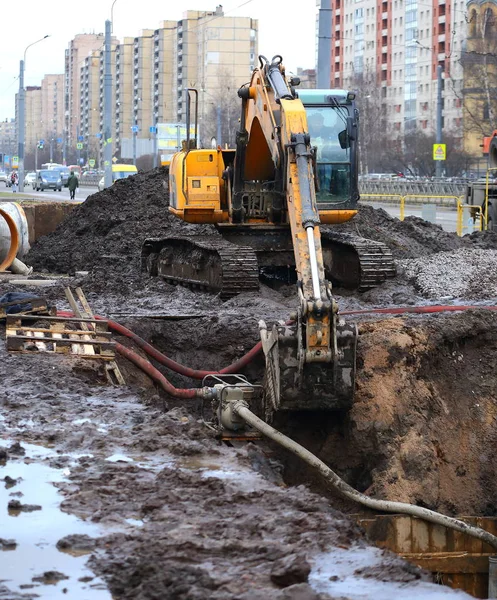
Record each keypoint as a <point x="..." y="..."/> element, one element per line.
<point x="314" y="263"/>
<point x="346" y="490"/>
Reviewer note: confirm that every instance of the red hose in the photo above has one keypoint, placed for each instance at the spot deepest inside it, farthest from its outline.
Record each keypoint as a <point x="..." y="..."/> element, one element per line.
<point x="416" y="309"/>
<point x="156" y="375"/>
<point x="173" y="365"/>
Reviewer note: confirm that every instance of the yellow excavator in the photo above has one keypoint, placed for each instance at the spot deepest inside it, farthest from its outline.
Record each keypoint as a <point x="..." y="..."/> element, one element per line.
<point x="294" y="168"/>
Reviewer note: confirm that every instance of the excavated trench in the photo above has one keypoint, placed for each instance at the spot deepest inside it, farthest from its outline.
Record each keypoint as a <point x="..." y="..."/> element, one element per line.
<point x="421" y="430"/>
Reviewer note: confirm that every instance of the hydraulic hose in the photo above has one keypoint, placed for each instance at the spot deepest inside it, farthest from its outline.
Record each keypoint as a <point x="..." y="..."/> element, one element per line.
<point x="349" y="492"/>
<point x="169" y="362"/>
<point x="156" y="375"/>
<point x="177" y="367"/>
<point x="399" y="310"/>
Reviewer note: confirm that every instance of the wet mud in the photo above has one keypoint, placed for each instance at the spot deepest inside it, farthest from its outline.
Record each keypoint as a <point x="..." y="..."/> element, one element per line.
<point x="174" y="512"/>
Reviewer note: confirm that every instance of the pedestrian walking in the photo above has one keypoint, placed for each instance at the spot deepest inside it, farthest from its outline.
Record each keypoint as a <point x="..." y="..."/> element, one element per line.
<point x="72" y="184"/>
<point x="14" y="179"/>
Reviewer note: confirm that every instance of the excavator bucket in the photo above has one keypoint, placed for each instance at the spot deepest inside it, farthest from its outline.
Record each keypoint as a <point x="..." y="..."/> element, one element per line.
<point x="288" y="386"/>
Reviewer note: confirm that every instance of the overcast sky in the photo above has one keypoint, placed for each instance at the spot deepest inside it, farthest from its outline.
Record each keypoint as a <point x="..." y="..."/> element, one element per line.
<point x="282" y="30"/>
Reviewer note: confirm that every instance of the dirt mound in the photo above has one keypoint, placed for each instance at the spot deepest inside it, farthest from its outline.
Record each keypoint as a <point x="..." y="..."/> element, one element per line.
<point x="422" y="428"/>
<point x="114" y="223"/>
<point x="111" y="226"/>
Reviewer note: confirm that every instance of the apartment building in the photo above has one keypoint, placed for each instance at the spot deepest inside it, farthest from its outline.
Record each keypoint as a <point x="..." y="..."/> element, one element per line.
<point x="35" y="128"/>
<point x="52" y="106"/>
<point x="123" y="91"/>
<point x="89" y="130"/>
<point x="79" y="49"/>
<point x="8" y="138"/>
<point x="216" y="54"/>
<point x="389" y="51"/>
<point x="164" y="107"/>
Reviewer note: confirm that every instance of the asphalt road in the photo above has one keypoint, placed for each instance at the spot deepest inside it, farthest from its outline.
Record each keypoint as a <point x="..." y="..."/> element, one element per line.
<point x="445" y="216"/>
<point x="82" y="194"/>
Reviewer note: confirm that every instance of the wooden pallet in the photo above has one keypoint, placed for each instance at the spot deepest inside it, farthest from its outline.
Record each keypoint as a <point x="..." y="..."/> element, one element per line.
<point x="112" y="371"/>
<point x="59" y="335"/>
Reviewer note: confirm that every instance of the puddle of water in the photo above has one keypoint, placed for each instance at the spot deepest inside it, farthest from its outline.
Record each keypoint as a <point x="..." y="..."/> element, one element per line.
<point x="119" y="458"/>
<point x="334" y="573"/>
<point x="36" y="533"/>
<point x="227" y="469"/>
<point x="135" y="522"/>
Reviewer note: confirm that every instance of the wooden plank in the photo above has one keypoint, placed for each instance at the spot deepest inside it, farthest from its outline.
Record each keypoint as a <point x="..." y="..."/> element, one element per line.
<point x="16" y="341"/>
<point x="16" y="319"/>
<point x="420" y="536"/>
<point x="95" y="334"/>
<point x="449" y="562"/>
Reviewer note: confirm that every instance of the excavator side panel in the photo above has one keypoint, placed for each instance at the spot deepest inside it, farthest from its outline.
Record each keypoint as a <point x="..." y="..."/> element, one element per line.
<point x="197" y="191"/>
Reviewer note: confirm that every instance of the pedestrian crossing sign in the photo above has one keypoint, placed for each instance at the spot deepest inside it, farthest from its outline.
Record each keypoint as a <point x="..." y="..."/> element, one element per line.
<point x="439" y="151"/>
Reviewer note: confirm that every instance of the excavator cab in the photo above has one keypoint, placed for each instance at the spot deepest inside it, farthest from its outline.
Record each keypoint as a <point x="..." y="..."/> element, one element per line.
<point x="332" y="119"/>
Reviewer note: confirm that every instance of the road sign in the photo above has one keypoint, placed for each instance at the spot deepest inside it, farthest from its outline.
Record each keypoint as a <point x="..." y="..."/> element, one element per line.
<point x="98" y="135"/>
<point x="439" y="151"/>
<point x="80" y="138"/>
<point x="6" y="160"/>
<point x="134" y="128"/>
<point x="59" y="140"/>
<point x="15" y="162"/>
<point x="153" y="129"/>
<point x="91" y="162"/>
<point x="114" y="159"/>
<point x="79" y="146"/>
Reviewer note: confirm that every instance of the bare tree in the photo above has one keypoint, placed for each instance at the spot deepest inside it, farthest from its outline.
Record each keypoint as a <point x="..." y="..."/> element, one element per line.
<point x="479" y="61"/>
<point x="223" y="113"/>
<point x="372" y="121"/>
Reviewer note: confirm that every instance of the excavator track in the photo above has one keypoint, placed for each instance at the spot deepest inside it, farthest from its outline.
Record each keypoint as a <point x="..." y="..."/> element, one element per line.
<point x="356" y="261"/>
<point x="208" y="262"/>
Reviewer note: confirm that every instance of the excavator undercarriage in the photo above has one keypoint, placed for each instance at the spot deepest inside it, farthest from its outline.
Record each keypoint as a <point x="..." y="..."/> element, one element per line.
<point x="232" y="263"/>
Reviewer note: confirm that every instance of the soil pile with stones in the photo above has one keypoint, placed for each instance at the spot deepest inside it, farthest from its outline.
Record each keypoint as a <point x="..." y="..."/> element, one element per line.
<point x="464" y="273"/>
<point x="108" y="230"/>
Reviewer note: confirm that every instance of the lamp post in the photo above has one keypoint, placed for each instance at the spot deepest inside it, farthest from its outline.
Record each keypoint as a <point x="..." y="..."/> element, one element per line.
<point x="21" y="124"/>
<point x="134" y="127"/>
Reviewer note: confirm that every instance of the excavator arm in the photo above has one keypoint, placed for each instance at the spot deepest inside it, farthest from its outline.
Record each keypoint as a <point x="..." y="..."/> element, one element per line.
<point x="274" y="147"/>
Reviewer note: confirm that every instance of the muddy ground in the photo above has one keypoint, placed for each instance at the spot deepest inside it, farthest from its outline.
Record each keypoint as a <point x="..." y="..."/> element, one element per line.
<point x="179" y="514"/>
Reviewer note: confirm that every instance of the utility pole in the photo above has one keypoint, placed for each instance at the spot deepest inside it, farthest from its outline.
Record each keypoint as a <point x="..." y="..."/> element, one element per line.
<point x="22" y="116"/>
<point x="438" y="164"/>
<point x="21" y="126"/>
<point x="324" y="45"/>
<point x="107" y="105"/>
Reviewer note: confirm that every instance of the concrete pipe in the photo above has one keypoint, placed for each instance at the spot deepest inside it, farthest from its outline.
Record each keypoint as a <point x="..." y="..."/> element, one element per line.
<point x="14" y="240"/>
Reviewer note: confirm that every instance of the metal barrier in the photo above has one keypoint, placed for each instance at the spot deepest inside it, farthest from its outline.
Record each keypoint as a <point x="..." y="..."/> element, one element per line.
<point x="460" y="226"/>
<point x="403" y="187"/>
<point x="457" y="202"/>
<point x="486" y="195"/>
<point x="90" y="181"/>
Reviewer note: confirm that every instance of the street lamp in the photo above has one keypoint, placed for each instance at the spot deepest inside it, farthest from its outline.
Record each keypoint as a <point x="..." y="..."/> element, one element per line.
<point x="21" y="115"/>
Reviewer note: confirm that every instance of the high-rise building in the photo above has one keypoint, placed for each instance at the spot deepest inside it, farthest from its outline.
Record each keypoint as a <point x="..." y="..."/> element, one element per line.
<point x="52" y="110"/>
<point x="89" y="130"/>
<point x="33" y="118"/>
<point x="389" y="51"/>
<point x="8" y="138"/>
<point x="216" y="54"/>
<point x="79" y="48"/>
<point x="123" y="91"/>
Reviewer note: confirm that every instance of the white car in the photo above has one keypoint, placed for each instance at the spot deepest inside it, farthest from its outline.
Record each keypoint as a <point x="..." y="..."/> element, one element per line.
<point x="30" y="178"/>
<point x="101" y="184"/>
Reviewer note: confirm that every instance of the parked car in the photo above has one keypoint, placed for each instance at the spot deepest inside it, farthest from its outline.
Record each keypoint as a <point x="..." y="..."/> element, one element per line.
<point x="30" y="178"/>
<point x="3" y="176"/>
<point x="48" y="179"/>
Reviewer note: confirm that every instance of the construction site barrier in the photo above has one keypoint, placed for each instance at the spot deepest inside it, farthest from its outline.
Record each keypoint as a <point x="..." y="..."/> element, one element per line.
<point x="478" y="218"/>
<point x="456" y="201"/>
<point x="405" y="187"/>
